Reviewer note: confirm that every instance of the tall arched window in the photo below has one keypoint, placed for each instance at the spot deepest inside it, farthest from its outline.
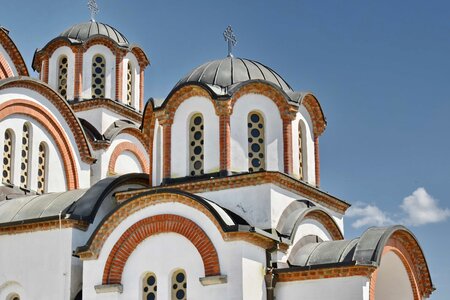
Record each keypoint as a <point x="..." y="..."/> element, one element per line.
<point x="129" y="84"/>
<point x="301" y="151"/>
<point x="98" y="76"/>
<point x="63" y="66"/>
<point x="149" y="287"/>
<point x="8" y="157"/>
<point x="25" y="156"/>
<point x="179" y="285"/>
<point x="196" y="141"/>
<point x="256" y="142"/>
<point x="42" y="164"/>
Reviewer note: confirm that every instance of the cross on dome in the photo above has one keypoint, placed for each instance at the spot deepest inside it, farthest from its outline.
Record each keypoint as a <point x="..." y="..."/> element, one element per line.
<point x="93" y="7"/>
<point x="229" y="36"/>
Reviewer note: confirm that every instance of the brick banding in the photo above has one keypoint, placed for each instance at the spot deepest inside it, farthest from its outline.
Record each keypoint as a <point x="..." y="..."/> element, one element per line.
<point x="5" y="69"/>
<point x="127" y="146"/>
<point x="148" y="227"/>
<point x="38" y="113"/>
<point x="14" y="54"/>
<point x="327" y="221"/>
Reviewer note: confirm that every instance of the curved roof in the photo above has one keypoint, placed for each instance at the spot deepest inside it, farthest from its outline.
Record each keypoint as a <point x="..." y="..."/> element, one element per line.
<point x="230" y="70"/>
<point x="83" y="31"/>
<point x="81" y="204"/>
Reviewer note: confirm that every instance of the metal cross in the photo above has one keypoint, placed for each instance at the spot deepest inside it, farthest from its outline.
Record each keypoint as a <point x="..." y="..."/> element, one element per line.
<point x="93" y="7"/>
<point x="230" y="38"/>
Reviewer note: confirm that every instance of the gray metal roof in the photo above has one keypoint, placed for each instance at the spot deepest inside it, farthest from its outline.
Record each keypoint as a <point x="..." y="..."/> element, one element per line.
<point x="83" y="31"/>
<point x="230" y="70"/>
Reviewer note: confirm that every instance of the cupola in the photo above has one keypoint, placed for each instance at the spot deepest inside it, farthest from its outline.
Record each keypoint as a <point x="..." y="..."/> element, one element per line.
<point x="94" y="61"/>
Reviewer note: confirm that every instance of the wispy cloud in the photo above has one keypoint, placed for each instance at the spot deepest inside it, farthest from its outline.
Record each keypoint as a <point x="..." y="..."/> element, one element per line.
<point x="417" y="209"/>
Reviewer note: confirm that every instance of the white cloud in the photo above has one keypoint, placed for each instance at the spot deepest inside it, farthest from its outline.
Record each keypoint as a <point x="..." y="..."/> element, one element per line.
<point x="369" y="215"/>
<point x="417" y="209"/>
<point x="421" y="208"/>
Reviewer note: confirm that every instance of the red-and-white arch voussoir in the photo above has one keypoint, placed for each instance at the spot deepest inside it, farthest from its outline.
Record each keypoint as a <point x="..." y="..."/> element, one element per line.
<point x="148" y="227"/>
<point x="40" y="115"/>
<point x="127" y="146"/>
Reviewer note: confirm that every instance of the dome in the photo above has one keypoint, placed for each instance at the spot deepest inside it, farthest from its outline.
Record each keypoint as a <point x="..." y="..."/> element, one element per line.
<point x="84" y="31"/>
<point x="230" y="70"/>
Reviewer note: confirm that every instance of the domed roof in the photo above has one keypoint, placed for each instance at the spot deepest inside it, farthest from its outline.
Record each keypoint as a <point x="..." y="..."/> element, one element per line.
<point x="230" y="70"/>
<point x="83" y="31"/>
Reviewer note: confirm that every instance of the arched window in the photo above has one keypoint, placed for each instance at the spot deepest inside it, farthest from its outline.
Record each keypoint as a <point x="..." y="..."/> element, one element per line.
<point x="98" y="76"/>
<point x="179" y="285"/>
<point x="256" y="143"/>
<point x="196" y="151"/>
<point x="8" y="157"/>
<point x="24" y="165"/>
<point x="301" y="151"/>
<point x="63" y="66"/>
<point x="149" y="287"/>
<point x="42" y="164"/>
<point x="129" y="85"/>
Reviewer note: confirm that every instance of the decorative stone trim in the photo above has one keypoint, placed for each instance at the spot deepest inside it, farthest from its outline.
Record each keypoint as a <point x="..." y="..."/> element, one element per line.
<point x="117" y="107"/>
<point x="127" y="146"/>
<point x="323" y="273"/>
<point x="139" y="203"/>
<point x="148" y="227"/>
<point x="38" y="113"/>
<point x="62" y="106"/>
<point x="12" y="51"/>
<point x="108" y="288"/>
<point x="213" y="280"/>
<point x="42" y="226"/>
<point x="251" y="179"/>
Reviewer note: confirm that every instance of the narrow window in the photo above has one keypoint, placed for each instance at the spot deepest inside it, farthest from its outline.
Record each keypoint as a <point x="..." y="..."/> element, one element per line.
<point x="63" y="66"/>
<point x="8" y="157"/>
<point x="196" y="151"/>
<point x="149" y="287"/>
<point x="129" y="85"/>
<point x="301" y="149"/>
<point x="24" y="166"/>
<point x="256" y="148"/>
<point x="179" y="285"/>
<point x="98" y="77"/>
<point x="42" y="164"/>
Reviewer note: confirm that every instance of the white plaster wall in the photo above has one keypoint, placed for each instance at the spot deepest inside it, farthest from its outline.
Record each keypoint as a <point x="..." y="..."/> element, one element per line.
<point x="180" y="136"/>
<point x="55" y="177"/>
<point x="127" y="163"/>
<point x="308" y="152"/>
<point x="22" y="93"/>
<point x="253" y="285"/>
<point x="8" y="60"/>
<point x="44" y="271"/>
<point x="53" y="70"/>
<point x="135" y="79"/>
<point x="239" y="132"/>
<point x="110" y="76"/>
<point x="157" y="169"/>
<point x="347" y="288"/>
<point x="100" y="118"/>
<point x="231" y="255"/>
<point x="252" y="203"/>
<point x="392" y="279"/>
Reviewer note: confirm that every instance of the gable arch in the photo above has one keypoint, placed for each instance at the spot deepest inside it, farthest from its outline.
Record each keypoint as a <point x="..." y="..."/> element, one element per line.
<point x="148" y="227"/>
<point x="14" y="55"/>
<point x="127" y="146"/>
<point x="61" y="105"/>
<point x="39" y="114"/>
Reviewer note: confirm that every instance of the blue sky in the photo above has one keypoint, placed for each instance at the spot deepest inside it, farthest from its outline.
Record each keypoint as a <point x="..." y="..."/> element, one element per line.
<point x="380" y="69"/>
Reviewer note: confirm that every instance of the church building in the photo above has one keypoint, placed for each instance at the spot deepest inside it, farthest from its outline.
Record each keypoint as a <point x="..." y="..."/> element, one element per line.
<point x="211" y="193"/>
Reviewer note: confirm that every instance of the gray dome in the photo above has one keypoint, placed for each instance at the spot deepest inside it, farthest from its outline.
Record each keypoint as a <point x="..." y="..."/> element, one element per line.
<point x="84" y="31"/>
<point x="229" y="71"/>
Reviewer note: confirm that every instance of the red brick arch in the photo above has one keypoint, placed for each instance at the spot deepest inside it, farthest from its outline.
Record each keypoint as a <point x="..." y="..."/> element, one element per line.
<point x="327" y="221"/>
<point x="38" y="113"/>
<point x="405" y="246"/>
<point x="127" y="146"/>
<point x="5" y="69"/>
<point x="148" y="227"/>
<point x="7" y="43"/>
